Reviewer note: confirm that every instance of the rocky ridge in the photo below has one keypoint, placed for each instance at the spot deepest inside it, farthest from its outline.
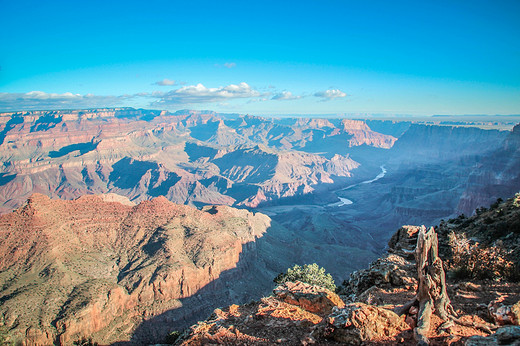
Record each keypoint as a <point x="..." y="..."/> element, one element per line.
<point x="70" y="153"/>
<point x="363" y="312"/>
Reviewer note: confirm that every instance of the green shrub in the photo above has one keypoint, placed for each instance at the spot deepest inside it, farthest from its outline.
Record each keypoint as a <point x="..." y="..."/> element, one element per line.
<point x="172" y="337"/>
<point x="516" y="201"/>
<point x="308" y="273"/>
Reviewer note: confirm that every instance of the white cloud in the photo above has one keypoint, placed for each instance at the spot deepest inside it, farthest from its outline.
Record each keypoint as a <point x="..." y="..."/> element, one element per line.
<point x="227" y="65"/>
<point x="34" y="100"/>
<point x="165" y="82"/>
<point x="330" y="94"/>
<point x="285" y="95"/>
<point x="200" y="94"/>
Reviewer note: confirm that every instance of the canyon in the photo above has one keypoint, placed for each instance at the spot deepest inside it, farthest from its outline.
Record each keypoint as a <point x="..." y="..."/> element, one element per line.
<point x="149" y="218"/>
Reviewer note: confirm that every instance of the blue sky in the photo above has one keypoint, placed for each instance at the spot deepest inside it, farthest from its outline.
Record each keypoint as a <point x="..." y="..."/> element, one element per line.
<point x="268" y="57"/>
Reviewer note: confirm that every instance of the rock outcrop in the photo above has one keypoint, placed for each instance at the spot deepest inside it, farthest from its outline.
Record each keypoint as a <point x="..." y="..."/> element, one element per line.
<point x="504" y="336"/>
<point x="296" y="314"/>
<point x="299" y="314"/>
<point x="358" y="323"/>
<point x="311" y="298"/>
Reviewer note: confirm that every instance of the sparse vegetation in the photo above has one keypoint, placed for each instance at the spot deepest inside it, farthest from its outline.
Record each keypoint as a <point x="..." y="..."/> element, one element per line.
<point x="85" y="342"/>
<point x="516" y="200"/>
<point x="308" y="273"/>
<point x="172" y="337"/>
<point x="496" y="204"/>
<point x="470" y="260"/>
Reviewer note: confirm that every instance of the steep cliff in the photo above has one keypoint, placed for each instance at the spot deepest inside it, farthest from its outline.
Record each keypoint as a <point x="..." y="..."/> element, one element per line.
<point x="495" y="176"/>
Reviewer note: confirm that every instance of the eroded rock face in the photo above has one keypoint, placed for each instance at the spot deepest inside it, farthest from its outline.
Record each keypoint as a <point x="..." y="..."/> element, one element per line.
<point x="388" y="271"/>
<point x="311" y="298"/>
<point x="91" y="267"/>
<point x="189" y="156"/>
<point x="357" y="323"/>
<point x="403" y="242"/>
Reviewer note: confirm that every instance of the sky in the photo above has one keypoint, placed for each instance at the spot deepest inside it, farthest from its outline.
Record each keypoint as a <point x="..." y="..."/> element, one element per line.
<point x="263" y="57"/>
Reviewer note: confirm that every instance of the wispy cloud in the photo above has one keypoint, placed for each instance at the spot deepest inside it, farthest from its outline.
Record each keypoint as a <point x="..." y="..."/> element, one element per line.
<point x="193" y="94"/>
<point x="330" y="94"/>
<point x="227" y="65"/>
<point x="285" y="96"/>
<point x="165" y="82"/>
<point x="42" y="100"/>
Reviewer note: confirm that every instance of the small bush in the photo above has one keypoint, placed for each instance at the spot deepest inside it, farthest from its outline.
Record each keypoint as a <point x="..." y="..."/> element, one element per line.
<point x="172" y="337"/>
<point x="480" y="210"/>
<point x="309" y="273"/>
<point x="85" y="342"/>
<point x="516" y="200"/>
<point x="469" y="260"/>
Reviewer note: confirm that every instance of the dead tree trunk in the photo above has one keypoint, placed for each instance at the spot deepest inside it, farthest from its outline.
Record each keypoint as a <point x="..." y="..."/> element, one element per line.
<point x="431" y="296"/>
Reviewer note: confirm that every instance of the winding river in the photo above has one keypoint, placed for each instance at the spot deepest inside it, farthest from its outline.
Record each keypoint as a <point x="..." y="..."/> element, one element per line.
<point x="274" y="210"/>
<point x="345" y="201"/>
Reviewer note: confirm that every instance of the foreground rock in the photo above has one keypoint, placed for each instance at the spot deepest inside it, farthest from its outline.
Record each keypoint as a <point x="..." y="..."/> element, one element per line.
<point x="311" y="298"/>
<point x="504" y="314"/>
<point x="357" y="323"/>
<point x="297" y="314"/>
<point x="94" y="268"/>
<point x="503" y="336"/>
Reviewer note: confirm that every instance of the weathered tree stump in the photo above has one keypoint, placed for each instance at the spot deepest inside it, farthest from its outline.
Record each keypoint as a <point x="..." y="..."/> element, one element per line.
<point x="432" y="296"/>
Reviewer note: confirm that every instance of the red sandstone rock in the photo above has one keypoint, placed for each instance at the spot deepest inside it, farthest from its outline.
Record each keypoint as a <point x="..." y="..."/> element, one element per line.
<point x="311" y="298"/>
<point x="358" y="323"/>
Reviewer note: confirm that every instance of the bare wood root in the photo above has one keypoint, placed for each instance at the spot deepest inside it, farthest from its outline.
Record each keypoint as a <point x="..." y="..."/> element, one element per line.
<point x="488" y="328"/>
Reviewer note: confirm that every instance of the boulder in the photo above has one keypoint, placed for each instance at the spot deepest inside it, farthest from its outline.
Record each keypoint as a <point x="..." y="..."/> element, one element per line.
<point x="358" y="323"/>
<point x="503" y="336"/>
<point x="403" y="242"/>
<point x="389" y="271"/>
<point x="311" y="298"/>
<point x="504" y="314"/>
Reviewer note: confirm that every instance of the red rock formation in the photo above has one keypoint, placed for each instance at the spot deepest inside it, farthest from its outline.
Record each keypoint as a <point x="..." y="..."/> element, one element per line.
<point x="362" y="134"/>
<point x="90" y="267"/>
<point x="70" y="153"/>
